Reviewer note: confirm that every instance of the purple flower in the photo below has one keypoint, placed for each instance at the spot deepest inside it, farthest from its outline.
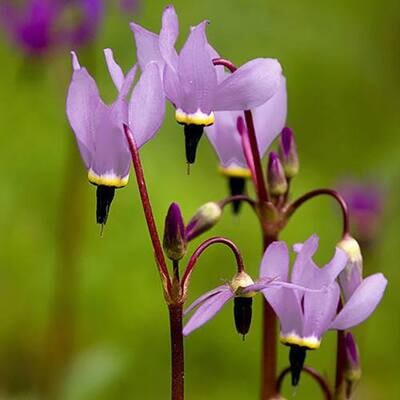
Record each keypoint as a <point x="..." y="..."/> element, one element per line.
<point x="224" y="135"/>
<point x="37" y="26"/>
<point x="365" y="202"/>
<point x="190" y="78"/>
<point x="241" y="289"/>
<point x="306" y="316"/>
<point x="98" y="127"/>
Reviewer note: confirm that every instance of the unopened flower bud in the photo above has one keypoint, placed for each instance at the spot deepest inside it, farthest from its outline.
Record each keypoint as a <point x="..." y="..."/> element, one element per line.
<point x="352" y="372"/>
<point x="351" y="277"/>
<point x="174" y="234"/>
<point x="288" y="153"/>
<point x="204" y="219"/>
<point x="243" y="302"/>
<point x="277" y="182"/>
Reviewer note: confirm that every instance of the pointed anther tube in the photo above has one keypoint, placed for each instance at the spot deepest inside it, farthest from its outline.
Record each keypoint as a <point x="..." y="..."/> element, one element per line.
<point x="242" y="312"/>
<point x="237" y="186"/>
<point x="277" y="182"/>
<point x="174" y="242"/>
<point x="288" y="153"/>
<point x="193" y="134"/>
<point x="297" y="356"/>
<point x="104" y="198"/>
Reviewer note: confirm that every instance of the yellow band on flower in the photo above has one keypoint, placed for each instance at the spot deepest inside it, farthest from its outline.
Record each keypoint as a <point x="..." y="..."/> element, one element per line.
<point x="197" y="118"/>
<point x="311" y="342"/>
<point x="235" y="172"/>
<point x="108" y="179"/>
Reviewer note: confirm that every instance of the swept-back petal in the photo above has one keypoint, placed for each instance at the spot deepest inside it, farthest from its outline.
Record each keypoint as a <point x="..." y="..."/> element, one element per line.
<point x="270" y="118"/>
<point x="362" y="303"/>
<point x="172" y="86"/>
<point x="168" y="35"/>
<point x="83" y="101"/>
<point x="111" y="158"/>
<point x="205" y="297"/>
<point x="128" y="81"/>
<point x="319" y="310"/>
<point x="115" y="70"/>
<point x="249" y="86"/>
<point x="226" y="140"/>
<point x="304" y="268"/>
<point x="197" y="74"/>
<point x="147" y="105"/>
<point x="207" y="310"/>
<point x="275" y="262"/>
<point x="147" y="46"/>
<point x="288" y="309"/>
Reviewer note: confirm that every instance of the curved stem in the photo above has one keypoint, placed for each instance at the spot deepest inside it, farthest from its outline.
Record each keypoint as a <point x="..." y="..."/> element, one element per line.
<point x="259" y="177"/>
<point x="148" y="212"/>
<point x="291" y="208"/>
<point x="193" y="259"/>
<point x="314" y="374"/>
<point x="239" y="197"/>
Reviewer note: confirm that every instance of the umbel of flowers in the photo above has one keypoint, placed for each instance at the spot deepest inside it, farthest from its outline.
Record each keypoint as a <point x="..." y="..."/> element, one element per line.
<point x="243" y="110"/>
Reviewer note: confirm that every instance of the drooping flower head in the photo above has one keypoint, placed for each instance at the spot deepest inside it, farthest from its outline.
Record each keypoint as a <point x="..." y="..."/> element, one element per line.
<point x="190" y="78"/>
<point x="306" y="316"/>
<point x="98" y="127"/>
<point x="39" y="26"/>
<point x="241" y="289"/>
<point x="226" y="137"/>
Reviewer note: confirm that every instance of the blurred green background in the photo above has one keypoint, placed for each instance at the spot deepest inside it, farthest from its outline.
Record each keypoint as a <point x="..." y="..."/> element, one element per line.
<point x="64" y="287"/>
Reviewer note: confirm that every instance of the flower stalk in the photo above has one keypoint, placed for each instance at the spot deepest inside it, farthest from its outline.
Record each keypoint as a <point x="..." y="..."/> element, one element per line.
<point x="314" y="375"/>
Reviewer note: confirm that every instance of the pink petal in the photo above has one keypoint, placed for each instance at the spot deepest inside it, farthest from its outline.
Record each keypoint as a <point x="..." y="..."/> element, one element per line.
<point x="207" y="310"/>
<point x="250" y="86"/>
<point x="362" y="303"/>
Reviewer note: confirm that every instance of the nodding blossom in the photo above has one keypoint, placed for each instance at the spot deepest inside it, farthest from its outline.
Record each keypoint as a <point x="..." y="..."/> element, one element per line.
<point x="98" y="127"/>
<point x="306" y="316"/>
<point x="190" y="78"/>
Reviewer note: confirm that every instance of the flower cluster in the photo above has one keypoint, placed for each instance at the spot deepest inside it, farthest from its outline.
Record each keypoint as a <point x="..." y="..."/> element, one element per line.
<point x="193" y="85"/>
<point x="242" y="113"/>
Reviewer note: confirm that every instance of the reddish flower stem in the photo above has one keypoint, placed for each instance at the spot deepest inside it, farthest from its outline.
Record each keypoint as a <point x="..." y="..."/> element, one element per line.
<point x="148" y="212"/>
<point x="259" y="177"/>
<point x="207" y="243"/>
<point x="268" y="345"/>
<point x="340" y="361"/>
<point x="177" y="359"/>
<point x="291" y="208"/>
<point x="314" y="374"/>
<point x="239" y="197"/>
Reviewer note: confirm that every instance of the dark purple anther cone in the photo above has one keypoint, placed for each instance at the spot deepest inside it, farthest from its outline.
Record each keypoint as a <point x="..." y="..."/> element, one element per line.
<point x="288" y="153"/>
<point x="242" y="311"/>
<point x="277" y="182"/>
<point x="297" y="356"/>
<point x="237" y="186"/>
<point x="104" y="198"/>
<point x="175" y="242"/>
<point x="193" y="134"/>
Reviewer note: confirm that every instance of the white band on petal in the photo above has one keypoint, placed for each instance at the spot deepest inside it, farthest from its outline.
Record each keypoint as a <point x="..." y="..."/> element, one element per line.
<point x="197" y="118"/>
<point x="108" y="179"/>
<point x="311" y="342"/>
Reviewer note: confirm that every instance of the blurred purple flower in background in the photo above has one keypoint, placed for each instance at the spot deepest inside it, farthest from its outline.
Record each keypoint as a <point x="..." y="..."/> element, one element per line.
<point x="129" y="5"/>
<point x="41" y="26"/>
<point x="366" y="204"/>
